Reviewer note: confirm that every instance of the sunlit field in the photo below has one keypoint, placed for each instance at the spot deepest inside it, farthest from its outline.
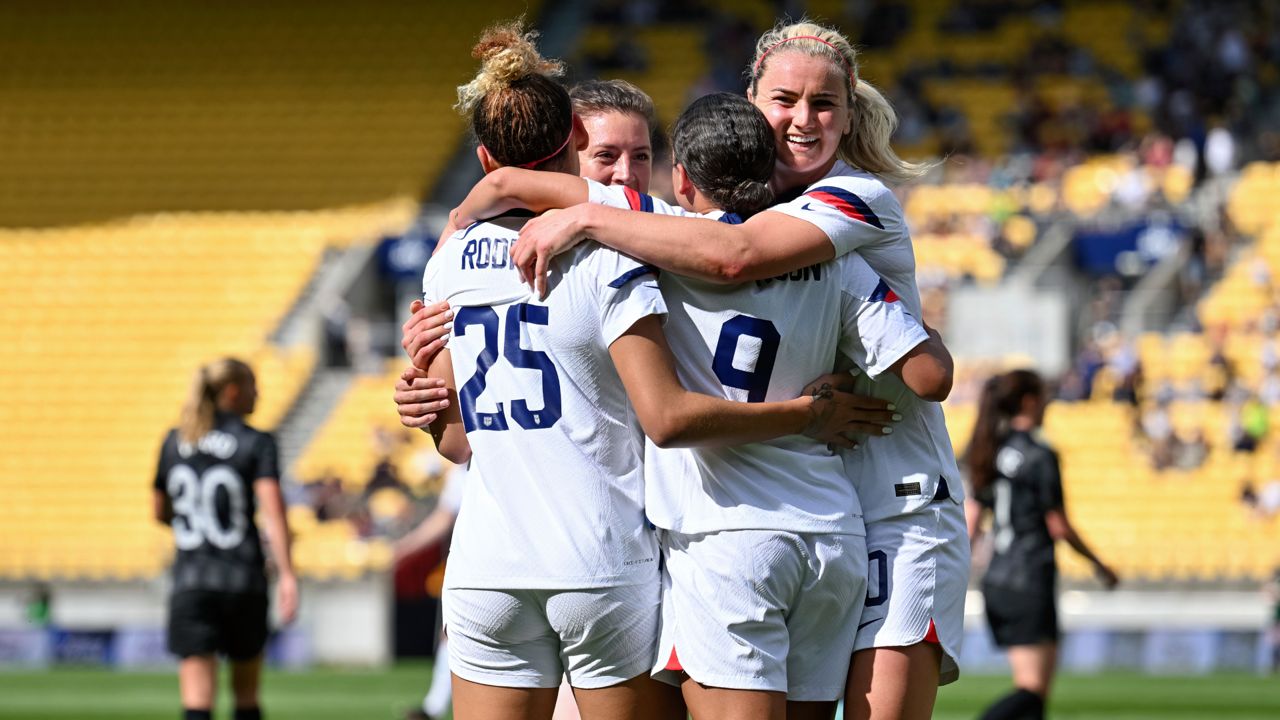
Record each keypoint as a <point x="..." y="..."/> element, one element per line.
<point x="383" y="695"/>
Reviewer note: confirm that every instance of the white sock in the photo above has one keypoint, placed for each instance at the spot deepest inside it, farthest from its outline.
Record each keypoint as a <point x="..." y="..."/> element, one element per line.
<point x="440" y="694"/>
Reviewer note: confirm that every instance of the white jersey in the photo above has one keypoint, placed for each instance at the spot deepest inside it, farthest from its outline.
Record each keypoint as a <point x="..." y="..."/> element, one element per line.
<point x="900" y="473"/>
<point x="764" y="341"/>
<point x="454" y="483"/>
<point x="556" y="500"/>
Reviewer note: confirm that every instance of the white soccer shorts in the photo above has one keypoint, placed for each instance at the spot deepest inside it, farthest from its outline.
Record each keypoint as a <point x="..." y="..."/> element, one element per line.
<point x="917" y="576"/>
<point x="532" y="638"/>
<point x="762" y="610"/>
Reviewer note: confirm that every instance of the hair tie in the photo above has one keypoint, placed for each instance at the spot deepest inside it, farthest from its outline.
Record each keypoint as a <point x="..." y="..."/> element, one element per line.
<point x="755" y="72"/>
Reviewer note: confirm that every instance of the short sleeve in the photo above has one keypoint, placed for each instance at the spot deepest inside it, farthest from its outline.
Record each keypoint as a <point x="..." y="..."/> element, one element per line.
<point x="625" y="198"/>
<point x="266" y="458"/>
<point x="1048" y="479"/>
<point x="853" y="212"/>
<point x="161" y="481"/>
<point x="876" y="328"/>
<point x="432" y="291"/>
<point x="629" y="292"/>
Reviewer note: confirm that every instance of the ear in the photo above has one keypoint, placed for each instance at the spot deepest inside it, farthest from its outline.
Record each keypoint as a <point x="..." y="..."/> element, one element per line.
<point x="486" y="160"/>
<point x="580" y="138"/>
<point x="680" y="182"/>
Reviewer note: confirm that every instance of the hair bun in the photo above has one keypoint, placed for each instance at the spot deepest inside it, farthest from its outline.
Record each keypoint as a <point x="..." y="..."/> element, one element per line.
<point x="507" y="53"/>
<point x="750" y="196"/>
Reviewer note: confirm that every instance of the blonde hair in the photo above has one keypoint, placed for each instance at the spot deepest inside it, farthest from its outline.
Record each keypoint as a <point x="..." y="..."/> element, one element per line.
<point x="867" y="145"/>
<point x="519" y="113"/>
<point x="197" y="417"/>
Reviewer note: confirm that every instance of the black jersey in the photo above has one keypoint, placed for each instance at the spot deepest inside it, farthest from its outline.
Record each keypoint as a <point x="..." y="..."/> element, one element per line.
<point x="1027" y="484"/>
<point x="210" y="487"/>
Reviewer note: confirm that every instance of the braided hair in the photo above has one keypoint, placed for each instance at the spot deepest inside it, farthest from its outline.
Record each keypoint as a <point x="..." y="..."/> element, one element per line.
<point x="727" y="149"/>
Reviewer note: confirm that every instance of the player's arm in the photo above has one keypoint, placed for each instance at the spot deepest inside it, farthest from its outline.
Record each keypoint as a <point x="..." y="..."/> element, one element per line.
<point x="161" y="503"/>
<point x="927" y="369"/>
<point x="161" y="506"/>
<point x="1049" y="486"/>
<point x="973" y="514"/>
<point x="766" y="245"/>
<point x="510" y="188"/>
<point x="447" y="429"/>
<point x="674" y="417"/>
<point x="276" y="525"/>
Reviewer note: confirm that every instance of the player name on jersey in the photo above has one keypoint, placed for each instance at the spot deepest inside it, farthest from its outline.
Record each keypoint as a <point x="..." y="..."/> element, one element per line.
<point x="813" y="272"/>
<point x="484" y="253"/>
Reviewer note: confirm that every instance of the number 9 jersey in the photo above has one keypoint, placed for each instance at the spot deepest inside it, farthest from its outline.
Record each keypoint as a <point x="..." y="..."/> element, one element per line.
<point x="557" y="497"/>
<point x="210" y="487"/>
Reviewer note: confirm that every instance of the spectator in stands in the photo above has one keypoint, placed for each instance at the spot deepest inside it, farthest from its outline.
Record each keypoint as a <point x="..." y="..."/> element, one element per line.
<point x="1157" y="429"/>
<point x="1250" y="425"/>
<point x="1190" y="449"/>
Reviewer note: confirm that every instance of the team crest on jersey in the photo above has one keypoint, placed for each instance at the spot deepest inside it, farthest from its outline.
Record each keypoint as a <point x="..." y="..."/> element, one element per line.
<point x="216" y="443"/>
<point x="1008" y="461"/>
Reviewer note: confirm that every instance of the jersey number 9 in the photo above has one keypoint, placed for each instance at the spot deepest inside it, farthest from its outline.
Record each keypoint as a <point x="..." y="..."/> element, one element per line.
<point x="756" y="380"/>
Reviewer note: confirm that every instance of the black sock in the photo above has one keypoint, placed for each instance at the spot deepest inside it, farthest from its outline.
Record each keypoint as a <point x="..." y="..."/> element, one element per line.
<point x="189" y="714"/>
<point x="1017" y="705"/>
<point x="252" y="713"/>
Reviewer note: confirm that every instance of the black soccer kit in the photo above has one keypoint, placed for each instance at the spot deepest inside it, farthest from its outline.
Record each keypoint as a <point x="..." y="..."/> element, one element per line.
<point x="1020" y="585"/>
<point x="219" y="601"/>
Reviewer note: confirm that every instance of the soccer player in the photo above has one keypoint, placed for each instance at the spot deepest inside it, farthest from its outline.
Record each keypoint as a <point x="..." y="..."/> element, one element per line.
<point x="723" y="156"/>
<point x="553" y="567"/>
<point x="214" y="472"/>
<point x="621" y="132"/>
<point x="832" y="130"/>
<point x="1016" y="477"/>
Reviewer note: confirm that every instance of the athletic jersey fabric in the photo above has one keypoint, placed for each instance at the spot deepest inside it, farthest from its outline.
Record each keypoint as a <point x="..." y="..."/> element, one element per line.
<point x="763" y="341"/>
<point x="210" y="486"/>
<point x="1027" y="485"/>
<point x="557" y="498"/>
<point x="901" y="474"/>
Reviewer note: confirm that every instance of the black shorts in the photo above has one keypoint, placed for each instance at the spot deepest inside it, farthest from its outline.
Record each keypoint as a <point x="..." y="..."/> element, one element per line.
<point x="1018" y="617"/>
<point x="204" y="622"/>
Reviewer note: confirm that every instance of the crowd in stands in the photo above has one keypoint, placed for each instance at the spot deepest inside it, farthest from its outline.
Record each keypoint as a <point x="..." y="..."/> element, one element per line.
<point x="388" y="503"/>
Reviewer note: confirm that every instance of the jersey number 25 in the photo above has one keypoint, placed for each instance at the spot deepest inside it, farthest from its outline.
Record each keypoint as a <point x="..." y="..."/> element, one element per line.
<point x="487" y="319"/>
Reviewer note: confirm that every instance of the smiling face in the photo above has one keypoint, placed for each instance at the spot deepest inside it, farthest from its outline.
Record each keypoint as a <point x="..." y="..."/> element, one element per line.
<point x="806" y="100"/>
<point x="618" y="150"/>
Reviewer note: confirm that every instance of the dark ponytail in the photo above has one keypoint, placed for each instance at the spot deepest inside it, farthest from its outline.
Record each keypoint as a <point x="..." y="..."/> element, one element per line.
<point x="726" y="148"/>
<point x="1001" y="400"/>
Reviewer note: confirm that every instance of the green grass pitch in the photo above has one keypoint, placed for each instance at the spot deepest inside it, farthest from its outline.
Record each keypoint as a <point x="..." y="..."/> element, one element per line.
<point x="382" y="695"/>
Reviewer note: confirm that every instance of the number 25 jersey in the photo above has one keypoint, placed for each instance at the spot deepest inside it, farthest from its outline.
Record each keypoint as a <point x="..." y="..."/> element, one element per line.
<point x="557" y="499"/>
<point x="210" y="487"/>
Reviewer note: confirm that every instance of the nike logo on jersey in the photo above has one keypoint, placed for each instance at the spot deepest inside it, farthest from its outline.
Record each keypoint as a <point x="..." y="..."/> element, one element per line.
<point x="807" y="207"/>
<point x="869" y="622"/>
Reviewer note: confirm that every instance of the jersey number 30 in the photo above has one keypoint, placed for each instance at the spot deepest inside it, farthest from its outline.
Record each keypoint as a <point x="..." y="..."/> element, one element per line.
<point x="195" y="508"/>
<point x="517" y="316"/>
